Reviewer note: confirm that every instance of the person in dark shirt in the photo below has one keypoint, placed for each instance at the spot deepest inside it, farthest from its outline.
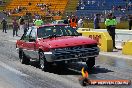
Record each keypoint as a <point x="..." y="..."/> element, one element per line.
<point x="4" y="25"/>
<point x="66" y="21"/>
<point x="96" y="22"/>
<point x="15" y="27"/>
<point x="29" y="3"/>
<point x="130" y="21"/>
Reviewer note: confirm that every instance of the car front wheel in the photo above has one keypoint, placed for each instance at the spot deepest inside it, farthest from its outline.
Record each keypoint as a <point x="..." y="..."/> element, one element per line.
<point x="23" y="58"/>
<point x="42" y="61"/>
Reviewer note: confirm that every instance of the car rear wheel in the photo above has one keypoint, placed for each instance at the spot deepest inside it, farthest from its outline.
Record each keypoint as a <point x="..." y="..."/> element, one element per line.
<point x="42" y="61"/>
<point x="23" y="58"/>
<point x="90" y="62"/>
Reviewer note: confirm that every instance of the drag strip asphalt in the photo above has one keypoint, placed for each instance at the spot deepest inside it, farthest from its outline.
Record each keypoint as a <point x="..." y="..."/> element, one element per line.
<point x="13" y="74"/>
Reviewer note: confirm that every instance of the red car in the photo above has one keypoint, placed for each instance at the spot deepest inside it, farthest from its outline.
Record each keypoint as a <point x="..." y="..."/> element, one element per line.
<point x="51" y="44"/>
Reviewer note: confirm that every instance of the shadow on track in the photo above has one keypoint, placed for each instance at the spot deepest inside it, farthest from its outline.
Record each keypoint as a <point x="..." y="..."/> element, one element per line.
<point x="98" y="69"/>
<point x="71" y="69"/>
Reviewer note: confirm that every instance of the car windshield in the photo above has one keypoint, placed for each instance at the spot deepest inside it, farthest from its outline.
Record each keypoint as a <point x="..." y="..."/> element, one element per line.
<point x="56" y="31"/>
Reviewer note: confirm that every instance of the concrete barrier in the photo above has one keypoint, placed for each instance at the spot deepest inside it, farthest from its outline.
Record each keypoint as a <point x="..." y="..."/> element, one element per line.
<point x="121" y="36"/>
<point x="104" y="40"/>
<point x="127" y="48"/>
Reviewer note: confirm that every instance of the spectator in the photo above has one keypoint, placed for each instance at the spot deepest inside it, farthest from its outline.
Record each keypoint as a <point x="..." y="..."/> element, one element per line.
<point x="22" y="23"/>
<point x="15" y="27"/>
<point x="42" y="8"/>
<point x="73" y="22"/>
<point x="38" y="22"/>
<point x="111" y="25"/>
<point x="29" y="3"/>
<point x="37" y="16"/>
<point x="130" y="21"/>
<point x="59" y="13"/>
<point x="1" y="2"/>
<point x="4" y="25"/>
<point x="66" y="21"/>
<point x="37" y="5"/>
<point x="96" y="22"/>
<point x="80" y="23"/>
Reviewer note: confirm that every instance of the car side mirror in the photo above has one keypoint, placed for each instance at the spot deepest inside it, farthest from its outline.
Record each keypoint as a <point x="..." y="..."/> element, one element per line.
<point x="32" y="40"/>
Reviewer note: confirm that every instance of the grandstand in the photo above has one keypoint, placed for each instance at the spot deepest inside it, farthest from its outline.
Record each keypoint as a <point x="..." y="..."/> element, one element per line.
<point x="52" y="8"/>
<point x="85" y="8"/>
<point x="88" y="8"/>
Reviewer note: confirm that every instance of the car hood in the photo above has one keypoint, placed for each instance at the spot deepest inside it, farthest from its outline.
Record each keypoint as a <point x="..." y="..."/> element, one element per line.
<point x="66" y="41"/>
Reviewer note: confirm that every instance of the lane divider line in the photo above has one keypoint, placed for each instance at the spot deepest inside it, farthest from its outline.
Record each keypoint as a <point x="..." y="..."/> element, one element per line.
<point x="12" y="69"/>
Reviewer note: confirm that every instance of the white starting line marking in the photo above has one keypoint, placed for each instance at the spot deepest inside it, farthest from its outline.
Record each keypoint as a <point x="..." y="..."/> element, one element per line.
<point x="12" y="69"/>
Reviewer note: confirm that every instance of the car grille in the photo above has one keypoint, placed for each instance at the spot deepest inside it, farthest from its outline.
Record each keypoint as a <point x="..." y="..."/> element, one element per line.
<point x="77" y="47"/>
<point x="76" y="51"/>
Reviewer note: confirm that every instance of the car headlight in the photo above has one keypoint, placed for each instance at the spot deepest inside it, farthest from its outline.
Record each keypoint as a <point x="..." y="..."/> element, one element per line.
<point x="48" y="52"/>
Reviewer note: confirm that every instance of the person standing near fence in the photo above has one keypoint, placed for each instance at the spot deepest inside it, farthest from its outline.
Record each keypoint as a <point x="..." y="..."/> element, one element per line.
<point x="22" y="24"/>
<point x="80" y="23"/>
<point x="4" y="25"/>
<point x="130" y="21"/>
<point x="15" y="27"/>
<point x="66" y="21"/>
<point x="73" y="21"/>
<point x="111" y="25"/>
<point x="96" y="21"/>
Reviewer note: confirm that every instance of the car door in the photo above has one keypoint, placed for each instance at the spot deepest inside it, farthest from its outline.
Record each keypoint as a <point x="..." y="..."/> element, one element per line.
<point x="31" y="44"/>
<point x="25" y="40"/>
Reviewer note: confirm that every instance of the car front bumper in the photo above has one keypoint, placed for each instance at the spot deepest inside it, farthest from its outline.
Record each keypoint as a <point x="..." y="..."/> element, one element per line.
<point x="72" y="55"/>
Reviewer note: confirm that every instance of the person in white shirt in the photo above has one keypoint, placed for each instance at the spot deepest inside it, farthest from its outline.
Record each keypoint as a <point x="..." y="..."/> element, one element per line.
<point x="80" y="23"/>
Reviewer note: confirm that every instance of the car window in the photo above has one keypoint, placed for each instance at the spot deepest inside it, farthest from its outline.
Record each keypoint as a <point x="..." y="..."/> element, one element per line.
<point x="26" y="35"/>
<point x="56" y="30"/>
<point x="33" y="33"/>
<point x="48" y="31"/>
<point x="28" y="32"/>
